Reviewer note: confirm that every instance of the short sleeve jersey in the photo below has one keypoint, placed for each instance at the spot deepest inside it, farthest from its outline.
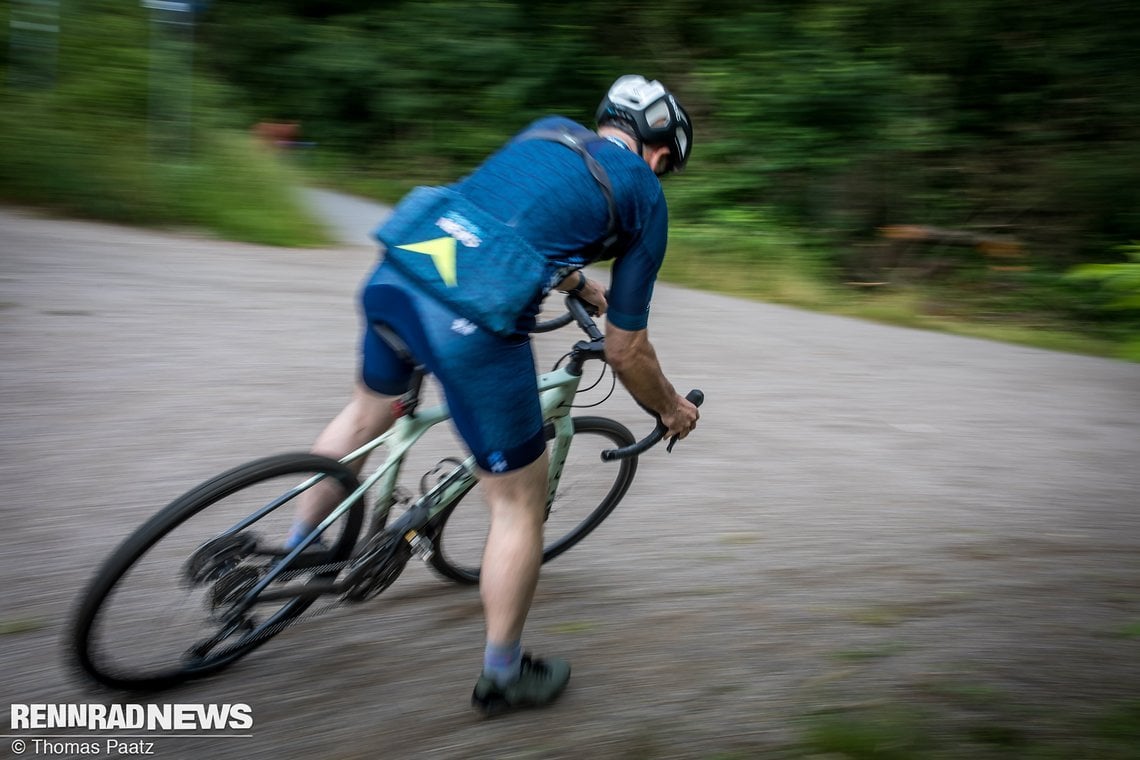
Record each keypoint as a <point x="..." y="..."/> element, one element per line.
<point x="544" y="190"/>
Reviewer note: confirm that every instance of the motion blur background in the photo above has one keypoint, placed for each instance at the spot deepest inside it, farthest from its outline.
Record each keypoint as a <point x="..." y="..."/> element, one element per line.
<point x="962" y="164"/>
<point x="882" y="543"/>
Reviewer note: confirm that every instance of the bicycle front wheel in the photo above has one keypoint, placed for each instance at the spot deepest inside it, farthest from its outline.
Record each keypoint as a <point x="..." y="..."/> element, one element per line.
<point x="168" y="605"/>
<point x="588" y="491"/>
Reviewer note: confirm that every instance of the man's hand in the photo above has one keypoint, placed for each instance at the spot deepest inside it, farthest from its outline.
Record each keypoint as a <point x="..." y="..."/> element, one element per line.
<point x="682" y="419"/>
<point x="595" y="294"/>
<point x="592" y="292"/>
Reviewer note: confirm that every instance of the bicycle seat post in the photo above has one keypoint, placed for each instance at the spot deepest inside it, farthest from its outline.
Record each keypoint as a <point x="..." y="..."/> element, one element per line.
<point x="406" y="404"/>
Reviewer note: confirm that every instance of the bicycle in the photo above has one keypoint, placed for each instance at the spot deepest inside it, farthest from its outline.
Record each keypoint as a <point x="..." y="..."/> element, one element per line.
<point x="242" y="589"/>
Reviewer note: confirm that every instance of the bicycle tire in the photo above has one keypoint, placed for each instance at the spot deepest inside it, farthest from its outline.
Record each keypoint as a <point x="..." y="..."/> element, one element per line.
<point x="583" y="470"/>
<point x="92" y="638"/>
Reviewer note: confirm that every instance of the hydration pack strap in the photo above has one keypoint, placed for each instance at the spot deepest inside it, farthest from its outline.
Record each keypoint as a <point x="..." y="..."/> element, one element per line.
<point x="597" y="171"/>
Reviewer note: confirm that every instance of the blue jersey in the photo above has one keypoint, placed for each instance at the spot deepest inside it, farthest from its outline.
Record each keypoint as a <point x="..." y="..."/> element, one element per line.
<point x="545" y="192"/>
<point x="534" y="197"/>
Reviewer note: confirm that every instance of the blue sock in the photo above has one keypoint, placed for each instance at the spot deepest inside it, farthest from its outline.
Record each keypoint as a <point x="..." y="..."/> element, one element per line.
<point x="502" y="663"/>
<point x="297" y="534"/>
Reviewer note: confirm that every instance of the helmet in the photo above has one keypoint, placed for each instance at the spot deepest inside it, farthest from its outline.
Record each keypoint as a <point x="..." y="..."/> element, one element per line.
<point x="653" y="113"/>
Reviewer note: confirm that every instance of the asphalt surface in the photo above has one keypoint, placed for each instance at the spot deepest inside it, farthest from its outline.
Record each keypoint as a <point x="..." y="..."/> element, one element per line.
<point x="866" y="516"/>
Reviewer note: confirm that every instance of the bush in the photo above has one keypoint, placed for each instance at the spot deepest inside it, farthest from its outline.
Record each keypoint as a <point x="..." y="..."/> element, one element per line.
<point x="1120" y="285"/>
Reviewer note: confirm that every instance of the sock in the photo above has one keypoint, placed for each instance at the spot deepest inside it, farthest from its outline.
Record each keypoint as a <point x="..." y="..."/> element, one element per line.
<point x="297" y="534"/>
<point x="502" y="663"/>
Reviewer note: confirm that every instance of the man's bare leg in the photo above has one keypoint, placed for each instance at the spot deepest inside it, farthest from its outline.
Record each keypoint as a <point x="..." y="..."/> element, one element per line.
<point x="507" y="582"/>
<point x="367" y="415"/>
<point x="513" y="553"/>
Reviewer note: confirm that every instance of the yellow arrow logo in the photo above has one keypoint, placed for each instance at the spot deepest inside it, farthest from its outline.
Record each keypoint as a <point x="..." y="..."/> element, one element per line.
<point x="442" y="252"/>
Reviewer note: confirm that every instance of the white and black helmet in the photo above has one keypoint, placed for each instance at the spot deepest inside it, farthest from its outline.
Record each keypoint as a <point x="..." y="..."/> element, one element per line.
<point x="653" y="113"/>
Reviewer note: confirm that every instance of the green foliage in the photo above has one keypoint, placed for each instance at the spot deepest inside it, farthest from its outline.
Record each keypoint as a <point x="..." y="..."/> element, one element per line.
<point x="441" y="78"/>
<point x="838" y="117"/>
<point x="1117" y="294"/>
<point x="1121" y="281"/>
<point x="90" y="142"/>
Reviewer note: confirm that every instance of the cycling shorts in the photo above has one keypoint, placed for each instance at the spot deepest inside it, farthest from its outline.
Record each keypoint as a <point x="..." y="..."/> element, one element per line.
<point x="489" y="381"/>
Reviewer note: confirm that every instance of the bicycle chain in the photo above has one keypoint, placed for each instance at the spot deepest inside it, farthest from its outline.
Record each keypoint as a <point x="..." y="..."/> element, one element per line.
<point x="308" y="614"/>
<point x="381" y="543"/>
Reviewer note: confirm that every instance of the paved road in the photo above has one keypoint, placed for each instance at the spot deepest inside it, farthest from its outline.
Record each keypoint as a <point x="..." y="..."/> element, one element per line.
<point x="866" y="514"/>
<point x="351" y="220"/>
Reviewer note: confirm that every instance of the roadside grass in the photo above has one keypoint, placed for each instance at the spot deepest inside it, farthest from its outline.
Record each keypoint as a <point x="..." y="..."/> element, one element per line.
<point x="952" y="715"/>
<point x="20" y="625"/>
<point x="93" y="167"/>
<point x="1122" y="725"/>
<point x="1129" y="631"/>
<point x="881" y="733"/>
<point x="785" y="273"/>
<point x="897" y="731"/>
<point x="242" y="191"/>
<point x="868" y="654"/>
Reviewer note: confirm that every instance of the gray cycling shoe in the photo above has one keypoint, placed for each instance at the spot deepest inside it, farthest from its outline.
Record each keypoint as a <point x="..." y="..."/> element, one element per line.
<point x="539" y="683"/>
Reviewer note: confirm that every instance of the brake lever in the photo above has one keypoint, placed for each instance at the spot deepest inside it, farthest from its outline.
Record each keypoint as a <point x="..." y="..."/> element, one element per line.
<point x="696" y="397"/>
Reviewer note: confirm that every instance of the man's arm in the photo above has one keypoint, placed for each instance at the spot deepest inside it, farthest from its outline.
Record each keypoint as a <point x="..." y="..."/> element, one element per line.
<point x="635" y="362"/>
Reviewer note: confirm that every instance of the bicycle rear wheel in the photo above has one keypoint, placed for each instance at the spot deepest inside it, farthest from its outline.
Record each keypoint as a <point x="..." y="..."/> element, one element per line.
<point x="587" y="492"/>
<point x="163" y="607"/>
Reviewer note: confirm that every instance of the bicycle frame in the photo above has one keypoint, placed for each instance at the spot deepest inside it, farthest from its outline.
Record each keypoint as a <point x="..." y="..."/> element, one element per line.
<point x="557" y="389"/>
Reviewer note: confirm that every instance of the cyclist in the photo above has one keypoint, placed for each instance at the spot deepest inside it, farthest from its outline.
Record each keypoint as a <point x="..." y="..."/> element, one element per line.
<point x="460" y="286"/>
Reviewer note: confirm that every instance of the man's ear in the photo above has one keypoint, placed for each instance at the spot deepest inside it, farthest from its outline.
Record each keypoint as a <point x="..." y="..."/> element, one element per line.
<point x="659" y="159"/>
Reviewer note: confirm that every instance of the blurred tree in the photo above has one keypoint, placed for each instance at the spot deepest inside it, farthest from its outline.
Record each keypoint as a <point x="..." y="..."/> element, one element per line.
<point x="995" y="117"/>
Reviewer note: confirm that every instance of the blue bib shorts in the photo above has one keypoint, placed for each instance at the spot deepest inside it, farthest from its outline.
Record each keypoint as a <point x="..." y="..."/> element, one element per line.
<point x="488" y="381"/>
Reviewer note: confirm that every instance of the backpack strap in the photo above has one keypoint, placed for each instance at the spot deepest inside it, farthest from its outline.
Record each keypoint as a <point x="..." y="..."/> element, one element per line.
<point x="610" y="239"/>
